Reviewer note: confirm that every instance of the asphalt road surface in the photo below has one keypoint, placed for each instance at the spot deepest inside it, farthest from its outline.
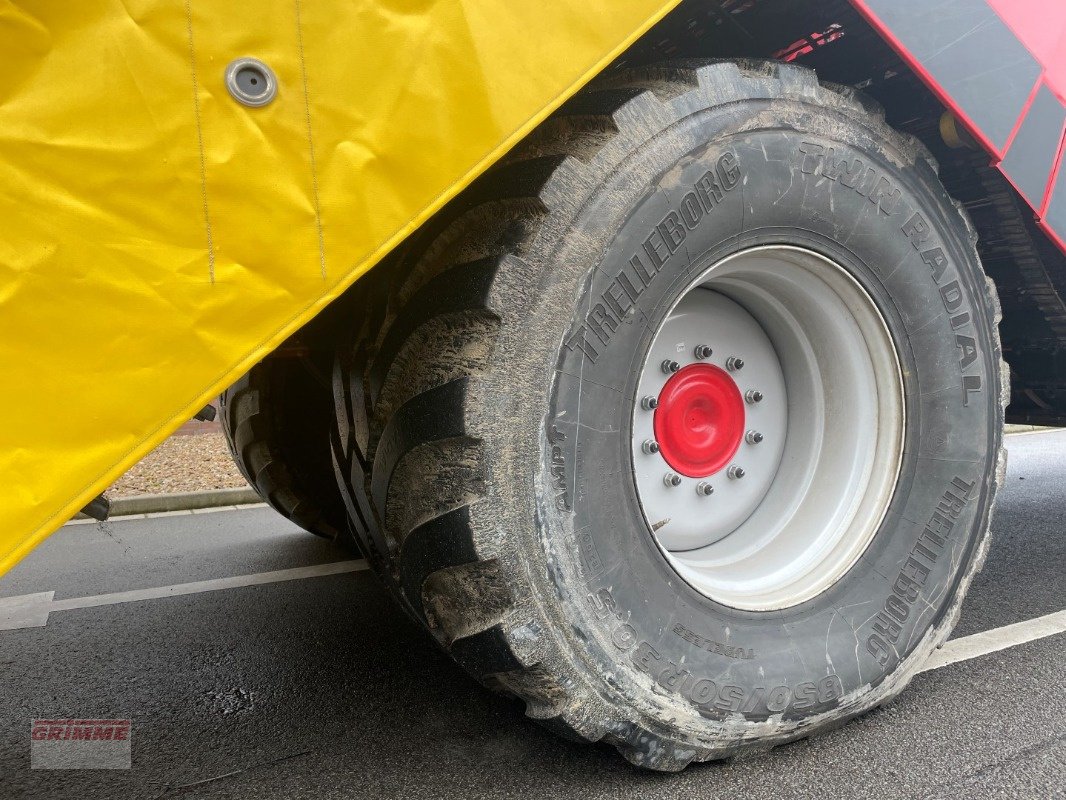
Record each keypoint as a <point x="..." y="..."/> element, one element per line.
<point x="310" y="684"/>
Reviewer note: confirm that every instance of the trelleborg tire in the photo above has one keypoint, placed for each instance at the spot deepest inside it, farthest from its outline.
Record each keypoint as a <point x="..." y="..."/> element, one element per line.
<point x="277" y="420"/>
<point x="492" y="434"/>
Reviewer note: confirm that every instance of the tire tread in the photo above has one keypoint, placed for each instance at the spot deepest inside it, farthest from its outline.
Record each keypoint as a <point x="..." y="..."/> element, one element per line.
<point x="444" y="566"/>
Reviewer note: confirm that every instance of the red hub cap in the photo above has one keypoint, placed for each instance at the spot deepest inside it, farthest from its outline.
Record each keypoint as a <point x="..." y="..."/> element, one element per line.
<point x="699" y="422"/>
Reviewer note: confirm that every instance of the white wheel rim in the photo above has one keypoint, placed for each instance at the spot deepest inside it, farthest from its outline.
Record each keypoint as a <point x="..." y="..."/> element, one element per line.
<point x="817" y="486"/>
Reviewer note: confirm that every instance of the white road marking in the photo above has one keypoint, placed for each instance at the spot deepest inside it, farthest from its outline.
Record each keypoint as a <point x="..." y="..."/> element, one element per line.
<point x="985" y="642"/>
<point x="32" y="610"/>
<point x="25" y="611"/>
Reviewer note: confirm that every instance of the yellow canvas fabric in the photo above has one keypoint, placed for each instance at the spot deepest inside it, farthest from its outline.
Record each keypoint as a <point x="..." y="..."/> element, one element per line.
<point x="157" y="238"/>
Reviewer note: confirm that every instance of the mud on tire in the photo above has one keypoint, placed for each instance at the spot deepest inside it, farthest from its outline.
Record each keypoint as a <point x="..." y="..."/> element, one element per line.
<point x="483" y="436"/>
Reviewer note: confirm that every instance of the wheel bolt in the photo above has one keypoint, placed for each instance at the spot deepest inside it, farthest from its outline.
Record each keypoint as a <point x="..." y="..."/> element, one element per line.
<point x="671" y="479"/>
<point x="753" y="396"/>
<point x="670" y="367"/>
<point x="753" y="437"/>
<point x="648" y="403"/>
<point x="702" y="351"/>
<point x="733" y="363"/>
<point x="650" y="446"/>
<point x="704" y="489"/>
<point x="736" y="473"/>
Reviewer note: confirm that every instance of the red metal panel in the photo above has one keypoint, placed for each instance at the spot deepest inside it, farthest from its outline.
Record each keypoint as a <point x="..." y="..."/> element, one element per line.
<point x="1041" y="26"/>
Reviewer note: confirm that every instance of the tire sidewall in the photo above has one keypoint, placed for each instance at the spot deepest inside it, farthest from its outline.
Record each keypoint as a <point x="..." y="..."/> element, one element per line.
<point x="670" y="650"/>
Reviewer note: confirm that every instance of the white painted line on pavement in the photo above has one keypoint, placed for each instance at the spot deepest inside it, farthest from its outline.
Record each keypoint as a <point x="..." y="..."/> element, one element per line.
<point x="985" y="642"/>
<point x="32" y="610"/>
<point x="1035" y="433"/>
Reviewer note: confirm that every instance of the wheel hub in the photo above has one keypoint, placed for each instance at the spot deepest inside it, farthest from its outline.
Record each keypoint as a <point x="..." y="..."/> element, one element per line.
<point x="767" y="428"/>
<point x="698" y="474"/>
<point x="699" y="421"/>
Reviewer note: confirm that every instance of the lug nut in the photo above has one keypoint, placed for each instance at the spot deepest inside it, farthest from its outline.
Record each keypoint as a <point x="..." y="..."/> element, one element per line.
<point x="671" y="479"/>
<point x="753" y="396"/>
<point x="670" y="367"/>
<point x="733" y="363"/>
<point x="648" y="403"/>
<point x="650" y="446"/>
<point x="704" y="489"/>
<point x="702" y="351"/>
<point x="753" y="437"/>
<point x="736" y="473"/>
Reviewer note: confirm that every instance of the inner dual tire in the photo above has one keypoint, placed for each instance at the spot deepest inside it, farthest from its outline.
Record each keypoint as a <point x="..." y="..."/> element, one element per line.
<point x="277" y="420"/>
<point x="549" y="444"/>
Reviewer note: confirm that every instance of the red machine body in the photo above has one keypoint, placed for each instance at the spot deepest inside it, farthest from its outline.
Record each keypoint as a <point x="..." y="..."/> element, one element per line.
<point x="1000" y="65"/>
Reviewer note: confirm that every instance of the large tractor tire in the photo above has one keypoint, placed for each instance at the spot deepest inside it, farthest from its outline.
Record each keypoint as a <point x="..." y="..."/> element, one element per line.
<point x="684" y="422"/>
<point x="277" y="421"/>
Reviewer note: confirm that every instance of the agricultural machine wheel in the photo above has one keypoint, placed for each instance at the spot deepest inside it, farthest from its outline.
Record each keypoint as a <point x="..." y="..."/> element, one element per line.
<point x="684" y="425"/>
<point x="277" y="421"/>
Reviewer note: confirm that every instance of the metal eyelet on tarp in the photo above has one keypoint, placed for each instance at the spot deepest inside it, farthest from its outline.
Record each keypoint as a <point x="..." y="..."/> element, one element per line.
<point x="251" y="82"/>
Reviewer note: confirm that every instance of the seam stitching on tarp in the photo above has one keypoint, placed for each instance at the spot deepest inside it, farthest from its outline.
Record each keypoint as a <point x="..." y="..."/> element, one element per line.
<point x="200" y="143"/>
<point x="311" y="144"/>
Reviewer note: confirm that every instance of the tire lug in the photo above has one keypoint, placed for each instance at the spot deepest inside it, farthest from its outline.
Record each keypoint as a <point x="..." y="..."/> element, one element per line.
<point x="649" y="403"/>
<point x="753" y="396"/>
<point x="736" y="473"/>
<point x="733" y="363"/>
<point x="753" y="437"/>
<point x="670" y="367"/>
<point x="650" y="446"/>
<point x="704" y="489"/>
<point x="702" y="351"/>
<point x="672" y="479"/>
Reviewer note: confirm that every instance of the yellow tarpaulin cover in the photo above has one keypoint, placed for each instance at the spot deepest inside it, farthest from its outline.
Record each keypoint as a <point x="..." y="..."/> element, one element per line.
<point x="157" y="238"/>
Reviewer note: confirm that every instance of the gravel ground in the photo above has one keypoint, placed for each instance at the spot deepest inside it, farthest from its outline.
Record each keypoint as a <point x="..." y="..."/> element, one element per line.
<point x="189" y="463"/>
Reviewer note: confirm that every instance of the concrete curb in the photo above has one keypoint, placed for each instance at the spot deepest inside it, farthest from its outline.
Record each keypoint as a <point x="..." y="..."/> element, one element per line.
<point x="215" y="498"/>
<point x="1027" y="428"/>
<point x="185" y="501"/>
